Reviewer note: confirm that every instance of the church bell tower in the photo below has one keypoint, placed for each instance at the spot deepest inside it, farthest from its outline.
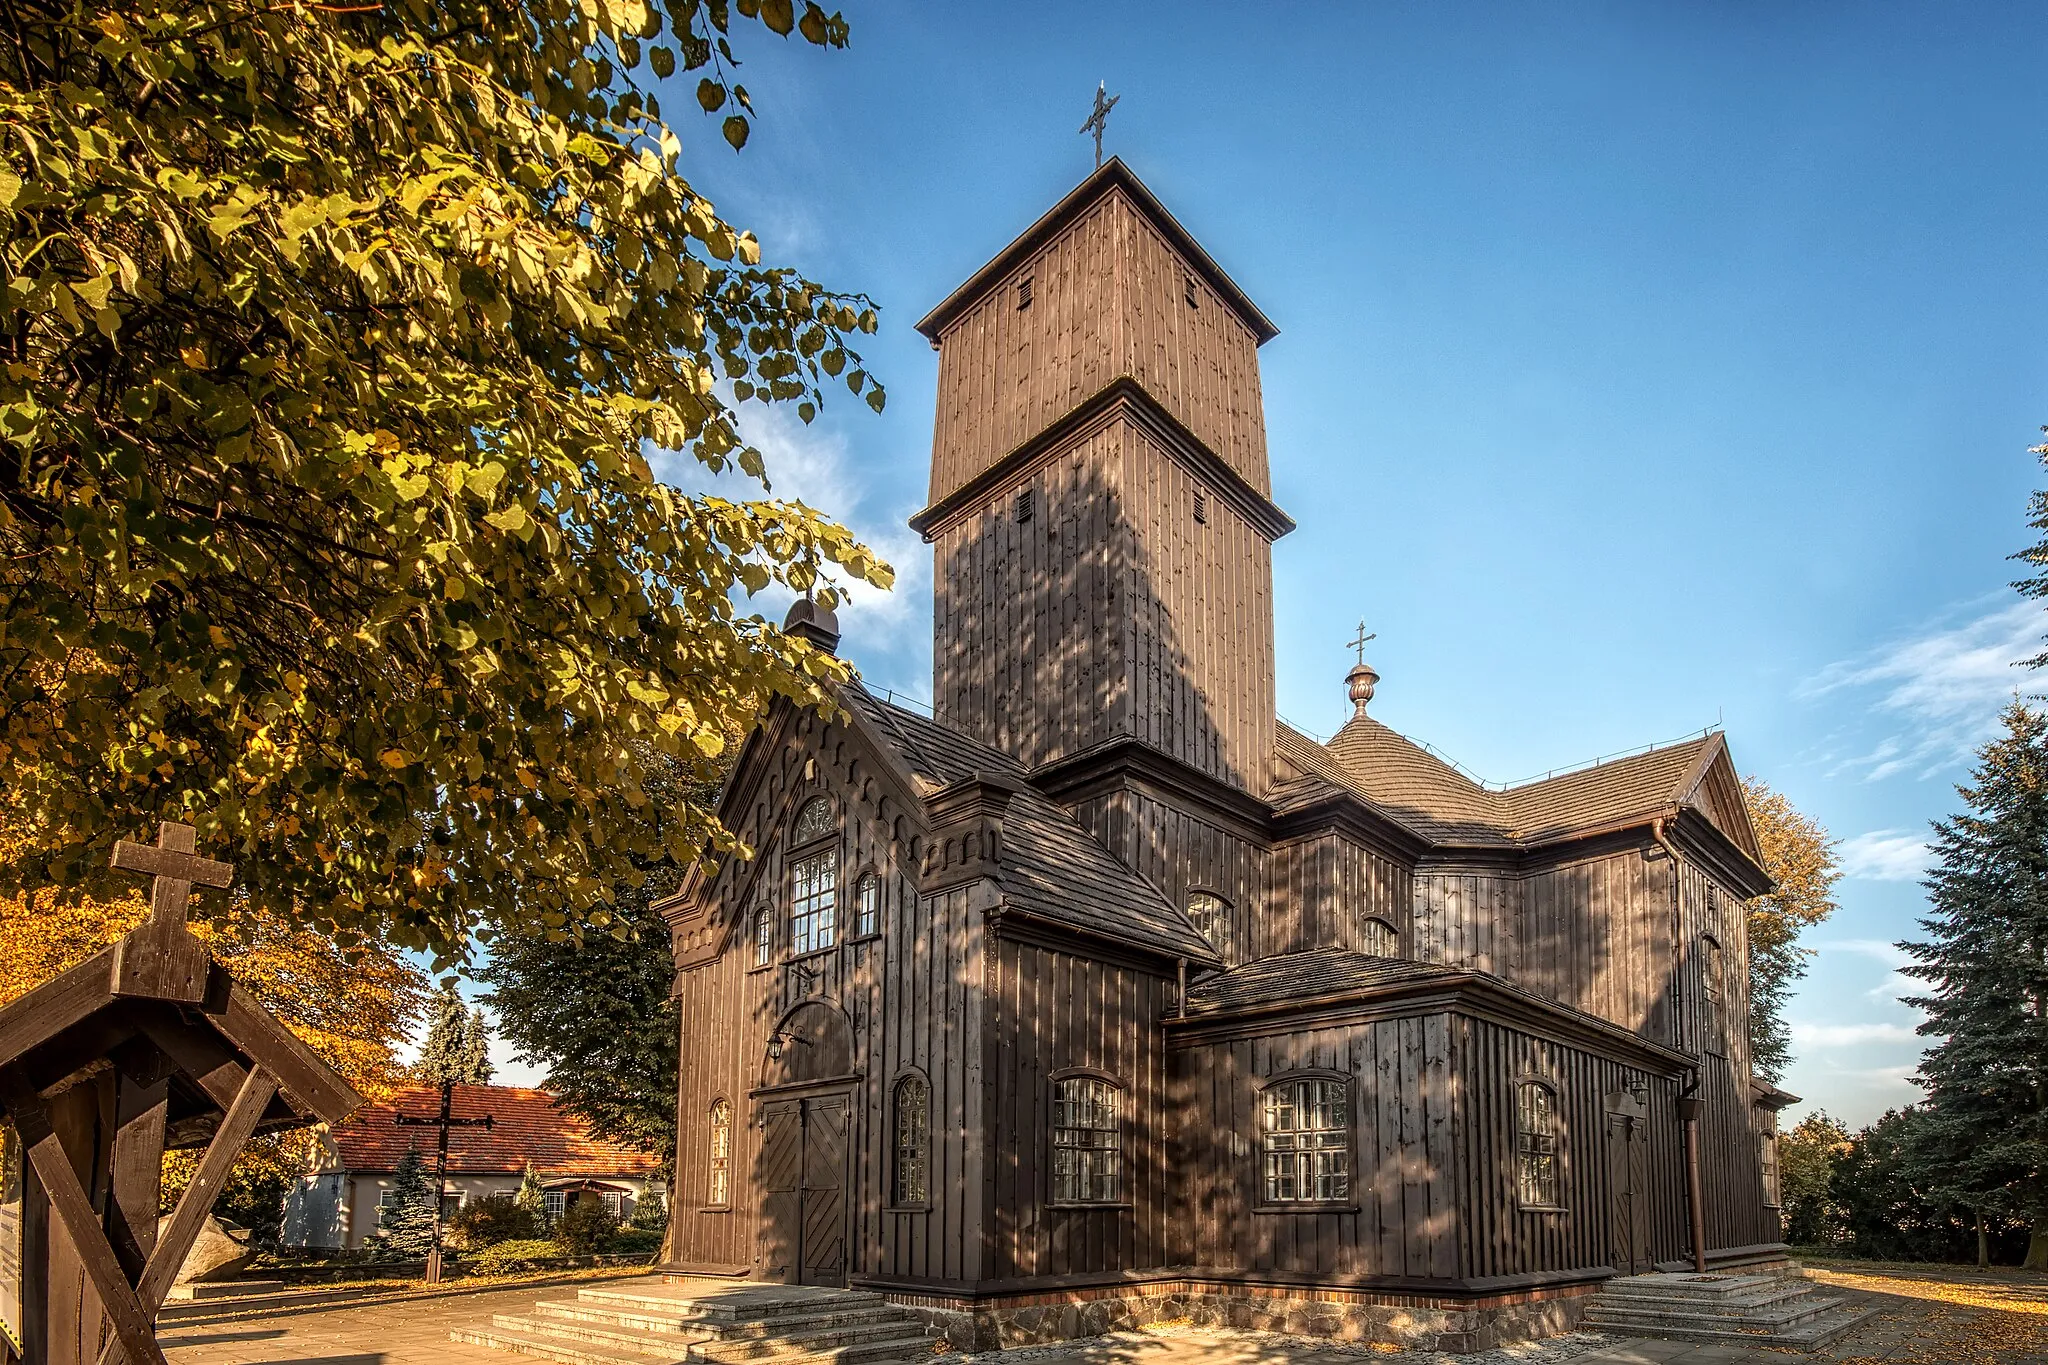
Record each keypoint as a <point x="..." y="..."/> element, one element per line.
<point x="1100" y="511"/>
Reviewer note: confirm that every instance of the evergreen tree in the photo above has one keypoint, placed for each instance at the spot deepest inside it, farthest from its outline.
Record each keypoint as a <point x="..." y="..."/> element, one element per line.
<point x="408" y="1223"/>
<point x="457" y="1046"/>
<point x="1983" y="1143"/>
<point x="533" y="1198"/>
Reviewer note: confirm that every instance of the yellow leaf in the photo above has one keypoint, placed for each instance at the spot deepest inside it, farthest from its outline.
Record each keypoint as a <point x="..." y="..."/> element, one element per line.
<point x="395" y="758"/>
<point x="193" y="355"/>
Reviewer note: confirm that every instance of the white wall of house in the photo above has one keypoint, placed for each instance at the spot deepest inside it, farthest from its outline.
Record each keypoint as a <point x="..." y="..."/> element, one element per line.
<point x="360" y="1194"/>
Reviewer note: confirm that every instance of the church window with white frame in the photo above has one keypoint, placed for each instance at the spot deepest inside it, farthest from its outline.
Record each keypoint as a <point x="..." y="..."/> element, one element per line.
<point x="813" y="821"/>
<point x="1307" y="1139"/>
<point x="719" y="1187"/>
<point x="1377" y="938"/>
<point x="814" y="903"/>
<point x="1536" y="1135"/>
<point x="1087" y="1141"/>
<point x="1210" y="914"/>
<point x="867" y="905"/>
<point x="764" y="936"/>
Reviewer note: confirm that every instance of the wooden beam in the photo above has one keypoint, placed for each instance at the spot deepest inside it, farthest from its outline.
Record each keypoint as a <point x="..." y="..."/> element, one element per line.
<point x="56" y="1005"/>
<point x="210" y="1062"/>
<point x="175" y="1242"/>
<point x="311" y="1086"/>
<point x="133" y="1328"/>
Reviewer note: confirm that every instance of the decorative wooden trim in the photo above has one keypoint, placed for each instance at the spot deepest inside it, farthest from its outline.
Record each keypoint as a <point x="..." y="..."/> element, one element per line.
<point x="1021" y="926"/>
<point x="1128" y="763"/>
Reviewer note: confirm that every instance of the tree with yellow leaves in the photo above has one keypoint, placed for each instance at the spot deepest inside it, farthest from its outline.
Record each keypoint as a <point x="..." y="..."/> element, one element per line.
<point x="1800" y="856"/>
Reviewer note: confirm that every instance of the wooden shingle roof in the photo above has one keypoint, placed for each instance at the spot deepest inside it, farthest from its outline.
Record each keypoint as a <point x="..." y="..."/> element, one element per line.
<point x="1428" y="796"/>
<point x="1292" y="977"/>
<point x="1052" y="868"/>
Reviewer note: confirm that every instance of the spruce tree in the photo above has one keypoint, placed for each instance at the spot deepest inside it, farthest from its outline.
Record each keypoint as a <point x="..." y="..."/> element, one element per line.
<point x="457" y="1047"/>
<point x="533" y="1198"/>
<point x="408" y="1223"/>
<point x="1983" y="1143"/>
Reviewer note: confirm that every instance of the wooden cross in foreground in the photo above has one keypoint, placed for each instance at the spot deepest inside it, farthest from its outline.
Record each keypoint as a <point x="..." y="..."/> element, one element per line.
<point x="160" y="959"/>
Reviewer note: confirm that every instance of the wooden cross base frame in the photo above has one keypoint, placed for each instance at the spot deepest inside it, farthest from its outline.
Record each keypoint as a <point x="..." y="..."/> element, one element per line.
<point x="194" y="1057"/>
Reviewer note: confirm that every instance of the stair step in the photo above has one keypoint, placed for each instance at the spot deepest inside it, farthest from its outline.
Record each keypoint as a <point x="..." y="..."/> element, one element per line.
<point x="905" y="1346"/>
<point x="1776" y="1320"/>
<point x="1816" y="1332"/>
<point x="665" y="1345"/>
<point x="759" y="1303"/>
<point x="806" y="1344"/>
<point x="1750" y="1302"/>
<point x="546" y="1348"/>
<point x="804" y="1324"/>
<point x="622" y="1316"/>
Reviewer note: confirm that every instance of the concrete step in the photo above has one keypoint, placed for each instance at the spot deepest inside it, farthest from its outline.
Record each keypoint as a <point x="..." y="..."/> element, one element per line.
<point x="1779" y="1316"/>
<point x="1710" y="1287"/>
<point x="1814" y="1332"/>
<point x="556" y="1349"/>
<point x="663" y="1345"/>
<point x="808" y="1324"/>
<point x="191" y="1310"/>
<point x="804" y="1345"/>
<point x="622" y="1316"/>
<point x="1752" y="1301"/>
<point x="225" y="1289"/>
<point x="909" y="1344"/>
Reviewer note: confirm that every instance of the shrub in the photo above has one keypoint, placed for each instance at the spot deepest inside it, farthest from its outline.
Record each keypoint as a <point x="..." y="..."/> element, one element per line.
<point x="583" y="1227"/>
<point x="487" y="1222"/>
<point x="528" y="1253"/>
<point x="649" y="1211"/>
<point x="633" y="1241"/>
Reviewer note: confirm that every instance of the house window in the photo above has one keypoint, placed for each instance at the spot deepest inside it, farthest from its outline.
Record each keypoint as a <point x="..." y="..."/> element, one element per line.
<point x="814" y="821"/>
<point x="1713" y="991"/>
<point x="1087" y="1144"/>
<point x="554" y="1203"/>
<point x="1377" y="938"/>
<point x="913" y="1103"/>
<point x="764" y="936"/>
<point x="1308" y="1141"/>
<point x="1536" y="1145"/>
<point x="867" y="906"/>
<point x="814" y="903"/>
<point x="1210" y="914"/>
<point x="611" y="1202"/>
<point x="720" y="1193"/>
<point x="387" y="1204"/>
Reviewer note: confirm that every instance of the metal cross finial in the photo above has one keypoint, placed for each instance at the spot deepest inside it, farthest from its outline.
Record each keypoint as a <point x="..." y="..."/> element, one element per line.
<point x="1359" y="643"/>
<point x="1099" y="119"/>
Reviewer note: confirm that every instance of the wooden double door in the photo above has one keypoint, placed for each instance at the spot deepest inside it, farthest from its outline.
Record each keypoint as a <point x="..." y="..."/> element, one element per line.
<point x="1628" y="1238"/>
<point x="803" y="1188"/>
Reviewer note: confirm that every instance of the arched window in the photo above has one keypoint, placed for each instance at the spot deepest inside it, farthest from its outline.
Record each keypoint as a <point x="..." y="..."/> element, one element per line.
<point x="764" y="936"/>
<point x="814" y="821"/>
<point x="913" y="1109"/>
<point x="1087" y="1141"/>
<point x="814" y="903"/>
<point x="1536" y="1145"/>
<point x="1377" y="938"/>
<point x="1713" y="993"/>
<point x="1210" y="914"/>
<point x="1308" y="1141"/>
<point x="867" y="905"/>
<point x="720" y="1193"/>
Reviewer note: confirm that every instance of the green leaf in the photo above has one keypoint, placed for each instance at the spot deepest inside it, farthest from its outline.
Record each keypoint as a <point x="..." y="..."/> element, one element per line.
<point x="779" y="15"/>
<point x="663" y="60"/>
<point x="10" y="188"/>
<point x="736" y="134"/>
<point x="710" y="95"/>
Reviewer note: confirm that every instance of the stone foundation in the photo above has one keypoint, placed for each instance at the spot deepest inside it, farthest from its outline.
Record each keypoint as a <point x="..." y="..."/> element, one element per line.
<point x="1393" y="1320"/>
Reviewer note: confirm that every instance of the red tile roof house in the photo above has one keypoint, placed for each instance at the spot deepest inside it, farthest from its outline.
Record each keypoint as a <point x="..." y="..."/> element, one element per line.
<point x="336" y="1203"/>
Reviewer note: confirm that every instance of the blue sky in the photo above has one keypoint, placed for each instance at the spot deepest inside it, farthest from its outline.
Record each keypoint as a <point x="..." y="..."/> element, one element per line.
<point x="1641" y="367"/>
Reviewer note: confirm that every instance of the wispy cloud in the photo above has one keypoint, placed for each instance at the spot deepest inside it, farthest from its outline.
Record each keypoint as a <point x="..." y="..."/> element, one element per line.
<point x="1851" y="1035"/>
<point x="1884" y="855"/>
<point x="812" y="465"/>
<point x="1943" y="688"/>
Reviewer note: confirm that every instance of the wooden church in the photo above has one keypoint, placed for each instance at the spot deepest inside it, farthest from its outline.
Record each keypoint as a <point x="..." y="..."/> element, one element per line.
<point x="1101" y="996"/>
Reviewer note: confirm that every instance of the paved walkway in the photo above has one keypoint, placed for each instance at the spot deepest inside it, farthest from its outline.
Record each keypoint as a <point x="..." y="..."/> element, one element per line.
<point x="1929" y="1317"/>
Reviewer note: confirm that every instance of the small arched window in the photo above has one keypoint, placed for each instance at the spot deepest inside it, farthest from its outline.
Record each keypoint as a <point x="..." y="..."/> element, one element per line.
<point x="814" y="821"/>
<point x="1087" y="1141"/>
<point x="1536" y="1145"/>
<point x="908" y="1186"/>
<point x="720" y="1191"/>
<point x="1377" y="938"/>
<point x="764" y="935"/>
<point x="1210" y="914"/>
<point x="867" y="905"/>
<point x="1307" y="1141"/>
<point x="1713" y="993"/>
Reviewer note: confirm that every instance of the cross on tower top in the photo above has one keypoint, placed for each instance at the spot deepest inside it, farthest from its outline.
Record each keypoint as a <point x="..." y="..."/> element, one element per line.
<point x="1099" y="119"/>
<point x="1359" y="643"/>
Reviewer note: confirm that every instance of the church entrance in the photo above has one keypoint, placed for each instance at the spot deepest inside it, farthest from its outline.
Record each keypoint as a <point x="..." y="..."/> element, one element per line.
<point x="803" y="1189"/>
<point x="1628" y="1185"/>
